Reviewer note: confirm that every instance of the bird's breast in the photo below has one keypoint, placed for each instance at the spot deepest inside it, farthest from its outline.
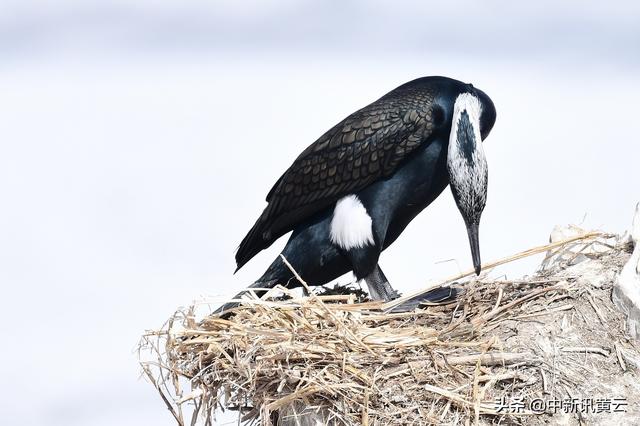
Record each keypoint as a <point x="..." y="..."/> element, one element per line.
<point x="394" y="202"/>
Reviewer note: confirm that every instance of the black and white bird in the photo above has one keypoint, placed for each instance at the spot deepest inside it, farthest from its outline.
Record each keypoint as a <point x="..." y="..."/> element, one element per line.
<point x="351" y="193"/>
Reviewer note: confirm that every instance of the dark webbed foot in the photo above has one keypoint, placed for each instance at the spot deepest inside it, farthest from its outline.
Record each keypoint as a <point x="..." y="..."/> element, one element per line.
<point x="436" y="296"/>
<point x="379" y="287"/>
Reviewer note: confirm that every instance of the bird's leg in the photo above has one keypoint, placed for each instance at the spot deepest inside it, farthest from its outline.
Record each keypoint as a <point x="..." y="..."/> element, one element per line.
<point x="379" y="287"/>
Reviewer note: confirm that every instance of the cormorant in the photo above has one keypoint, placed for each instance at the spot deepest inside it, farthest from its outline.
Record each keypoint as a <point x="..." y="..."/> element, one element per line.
<point x="351" y="193"/>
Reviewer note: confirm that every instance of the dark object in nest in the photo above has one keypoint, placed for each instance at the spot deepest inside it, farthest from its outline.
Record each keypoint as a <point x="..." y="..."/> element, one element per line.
<point x="343" y="289"/>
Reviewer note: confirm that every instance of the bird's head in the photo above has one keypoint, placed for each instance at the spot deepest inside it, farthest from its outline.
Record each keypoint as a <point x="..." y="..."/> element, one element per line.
<point x="472" y="119"/>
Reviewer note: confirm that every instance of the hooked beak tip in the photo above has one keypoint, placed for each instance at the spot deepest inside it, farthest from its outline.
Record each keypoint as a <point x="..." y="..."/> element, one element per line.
<point x="472" y="229"/>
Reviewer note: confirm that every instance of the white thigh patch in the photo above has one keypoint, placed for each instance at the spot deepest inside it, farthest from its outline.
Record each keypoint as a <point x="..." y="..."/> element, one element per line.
<point x="351" y="225"/>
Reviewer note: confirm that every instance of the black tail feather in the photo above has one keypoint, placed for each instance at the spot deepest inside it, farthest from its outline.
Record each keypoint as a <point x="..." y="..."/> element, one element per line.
<point x="252" y="244"/>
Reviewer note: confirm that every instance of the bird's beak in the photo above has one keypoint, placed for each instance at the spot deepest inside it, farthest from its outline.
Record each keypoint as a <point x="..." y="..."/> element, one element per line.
<point x="472" y="230"/>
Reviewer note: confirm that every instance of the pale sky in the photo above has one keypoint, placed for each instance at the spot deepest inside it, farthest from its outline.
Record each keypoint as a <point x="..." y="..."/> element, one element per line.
<point x="138" y="141"/>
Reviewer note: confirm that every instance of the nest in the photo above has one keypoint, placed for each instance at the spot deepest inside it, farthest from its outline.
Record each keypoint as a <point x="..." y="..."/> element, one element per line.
<point x="333" y="360"/>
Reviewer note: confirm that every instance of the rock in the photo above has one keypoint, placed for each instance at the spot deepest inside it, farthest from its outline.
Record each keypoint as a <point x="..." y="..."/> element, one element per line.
<point x="579" y="253"/>
<point x="626" y="290"/>
<point x="595" y="277"/>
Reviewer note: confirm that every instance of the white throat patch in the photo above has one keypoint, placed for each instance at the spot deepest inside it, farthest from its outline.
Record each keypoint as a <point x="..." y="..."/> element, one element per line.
<point x="471" y="104"/>
<point x="351" y="225"/>
<point x="469" y="177"/>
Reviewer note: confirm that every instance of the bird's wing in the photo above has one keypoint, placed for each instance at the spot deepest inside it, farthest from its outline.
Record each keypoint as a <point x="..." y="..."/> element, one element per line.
<point x="366" y="146"/>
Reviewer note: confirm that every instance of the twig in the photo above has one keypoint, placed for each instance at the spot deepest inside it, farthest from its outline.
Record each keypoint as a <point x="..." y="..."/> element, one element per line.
<point x="502" y="377"/>
<point x="565" y="307"/>
<point x="623" y="365"/>
<point x="545" y="387"/>
<point x="499" y="298"/>
<point x="501" y="358"/>
<point x="586" y="349"/>
<point x="170" y="407"/>
<point x="595" y="307"/>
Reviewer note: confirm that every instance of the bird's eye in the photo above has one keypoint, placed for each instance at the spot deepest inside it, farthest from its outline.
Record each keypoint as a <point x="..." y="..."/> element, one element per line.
<point x="438" y="115"/>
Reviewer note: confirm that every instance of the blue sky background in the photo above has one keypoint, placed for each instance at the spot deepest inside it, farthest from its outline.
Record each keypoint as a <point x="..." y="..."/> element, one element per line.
<point x="138" y="140"/>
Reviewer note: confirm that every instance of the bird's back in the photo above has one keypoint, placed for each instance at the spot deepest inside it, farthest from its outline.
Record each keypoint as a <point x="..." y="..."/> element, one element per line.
<point x="365" y="147"/>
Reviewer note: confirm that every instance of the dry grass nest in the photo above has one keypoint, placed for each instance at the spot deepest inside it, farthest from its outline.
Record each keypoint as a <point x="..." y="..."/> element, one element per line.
<point x="338" y="361"/>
